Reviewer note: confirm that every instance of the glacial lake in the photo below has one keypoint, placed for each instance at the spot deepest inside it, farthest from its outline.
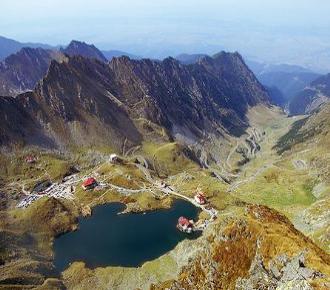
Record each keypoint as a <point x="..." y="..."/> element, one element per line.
<point x="110" y="239"/>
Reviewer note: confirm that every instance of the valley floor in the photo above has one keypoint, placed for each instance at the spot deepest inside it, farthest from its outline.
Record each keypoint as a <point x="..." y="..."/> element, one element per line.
<point x="246" y="239"/>
<point x="287" y="182"/>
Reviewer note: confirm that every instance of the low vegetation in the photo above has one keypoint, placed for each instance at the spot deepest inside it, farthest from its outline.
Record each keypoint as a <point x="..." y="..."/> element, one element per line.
<point x="248" y="234"/>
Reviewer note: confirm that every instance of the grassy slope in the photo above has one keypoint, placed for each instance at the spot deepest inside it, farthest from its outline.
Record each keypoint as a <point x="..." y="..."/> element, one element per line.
<point x="236" y="245"/>
<point x="279" y="186"/>
<point x="271" y="179"/>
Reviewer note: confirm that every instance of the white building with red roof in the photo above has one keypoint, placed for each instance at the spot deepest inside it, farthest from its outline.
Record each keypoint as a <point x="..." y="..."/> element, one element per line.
<point x="200" y="198"/>
<point x="89" y="183"/>
<point x="185" y="225"/>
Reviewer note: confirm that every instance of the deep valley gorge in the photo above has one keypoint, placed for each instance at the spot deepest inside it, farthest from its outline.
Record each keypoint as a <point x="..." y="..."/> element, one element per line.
<point x="202" y="143"/>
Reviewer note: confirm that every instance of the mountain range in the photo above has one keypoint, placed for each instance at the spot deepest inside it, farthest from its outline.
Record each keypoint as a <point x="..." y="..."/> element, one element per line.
<point x="288" y="79"/>
<point x="21" y="71"/>
<point x="10" y="46"/>
<point x="89" y="101"/>
<point x="148" y="132"/>
<point x="311" y="97"/>
<point x="283" y="80"/>
<point x="287" y="85"/>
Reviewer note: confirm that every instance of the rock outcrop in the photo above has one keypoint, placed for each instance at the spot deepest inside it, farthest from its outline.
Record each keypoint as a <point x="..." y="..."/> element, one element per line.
<point x="259" y="250"/>
<point x="21" y="72"/>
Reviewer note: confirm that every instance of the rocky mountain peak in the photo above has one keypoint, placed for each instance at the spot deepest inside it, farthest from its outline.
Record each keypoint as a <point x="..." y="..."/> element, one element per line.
<point x="21" y="71"/>
<point x="210" y="96"/>
<point x="83" y="49"/>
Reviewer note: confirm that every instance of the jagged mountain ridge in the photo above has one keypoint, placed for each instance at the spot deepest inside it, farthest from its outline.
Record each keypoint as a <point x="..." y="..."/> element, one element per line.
<point x="186" y="58"/>
<point x="314" y="95"/>
<point x="286" y="78"/>
<point x="83" y="101"/>
<point x="21" y="71"/>
<point x="110" y="54"/>
<point x="10" y="46"/>
<point x="72" y="108"/>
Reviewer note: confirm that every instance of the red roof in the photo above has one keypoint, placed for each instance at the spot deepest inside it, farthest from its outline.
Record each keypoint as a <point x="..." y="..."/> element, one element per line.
<point x="30" y="158"/>
<point x="183" y="221"/>
<point x="89" y="181"/>
<point x="201" y="198"/>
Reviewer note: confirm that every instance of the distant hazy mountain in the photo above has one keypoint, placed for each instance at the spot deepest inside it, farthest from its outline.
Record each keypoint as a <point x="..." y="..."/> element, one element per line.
<point x="189" y="58"/>
<point x="76" y="48"/>
<point x="110" y="54"/>
<point x="288" y="79"/>
<point x="288" y="83"/>
<point x="309" y="99"/>
<point x="263" y="68"/>
<point x="10" y="46"/>
<point x="21" y="71"/>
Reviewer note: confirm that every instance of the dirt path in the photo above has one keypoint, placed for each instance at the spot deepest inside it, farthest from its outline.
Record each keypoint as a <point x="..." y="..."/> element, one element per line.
<point x="267" y="156"/>
<point x="251" y="178"/>
<point x="299" y="164"/>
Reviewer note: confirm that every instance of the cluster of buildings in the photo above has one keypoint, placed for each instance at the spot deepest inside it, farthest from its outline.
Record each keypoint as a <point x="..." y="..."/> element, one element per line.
<point x="188" y="226"/>
<point x="67" y="188"/>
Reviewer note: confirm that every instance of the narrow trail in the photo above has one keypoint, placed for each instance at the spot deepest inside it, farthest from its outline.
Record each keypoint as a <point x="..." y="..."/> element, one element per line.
<point x="299" y="164"/>
<point x="251" y="178"/>
<point x="264" y="157"/>
<point x="168" y="190"/>
<point x="250" y="143"/>
<point x="232" y="151"/>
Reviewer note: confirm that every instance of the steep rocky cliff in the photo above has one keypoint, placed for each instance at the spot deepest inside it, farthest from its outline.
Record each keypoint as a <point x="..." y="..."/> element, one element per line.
<point x="86" y="101"/>
<point x="21" y="71"/>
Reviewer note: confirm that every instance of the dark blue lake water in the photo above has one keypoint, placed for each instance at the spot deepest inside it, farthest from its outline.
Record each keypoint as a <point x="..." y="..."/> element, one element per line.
<point x="129" y="240"/>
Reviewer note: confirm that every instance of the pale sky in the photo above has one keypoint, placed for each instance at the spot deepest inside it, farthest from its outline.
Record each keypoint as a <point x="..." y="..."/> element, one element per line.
<point x="270" y="30"/>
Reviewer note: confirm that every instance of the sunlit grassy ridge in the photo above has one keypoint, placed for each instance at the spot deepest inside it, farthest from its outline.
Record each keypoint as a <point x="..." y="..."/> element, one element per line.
<point x="167" y="158"/>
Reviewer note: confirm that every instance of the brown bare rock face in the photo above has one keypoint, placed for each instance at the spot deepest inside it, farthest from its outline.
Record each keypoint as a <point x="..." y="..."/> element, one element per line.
<point x="210" y="95"/>
<point x="20" y="72"/>
<point x="86" y="101"/>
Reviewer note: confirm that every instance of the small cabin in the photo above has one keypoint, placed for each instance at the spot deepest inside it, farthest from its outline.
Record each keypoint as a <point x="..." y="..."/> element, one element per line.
<point x="200" y="198"/>
<point x="89" y="183"/>
<point x="30" y="159"/>
<point x="185" y="225"/>
<point x="114" y="158"/>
